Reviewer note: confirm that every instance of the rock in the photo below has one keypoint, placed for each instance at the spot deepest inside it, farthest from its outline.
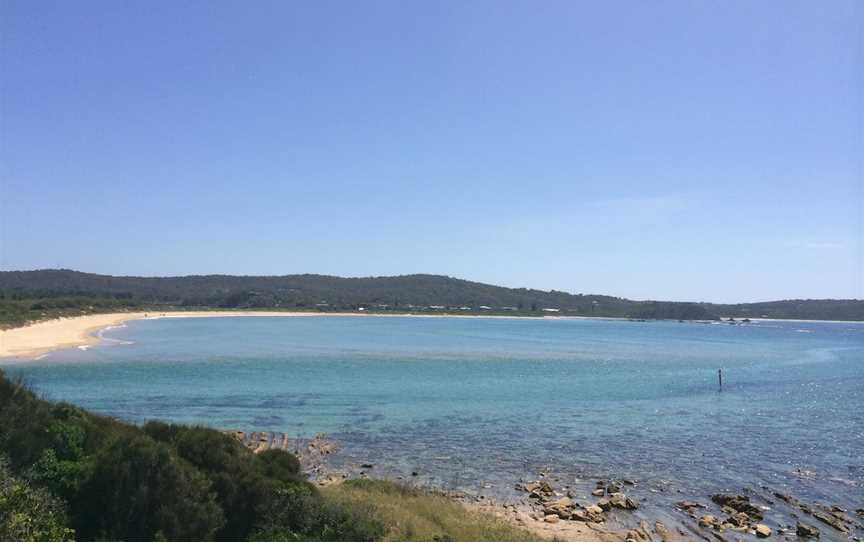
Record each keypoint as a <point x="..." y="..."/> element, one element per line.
<point x="563" y="502"/>
<point x="579" y="515"/>
<point x="806" y="531"/>
<point x="665" y="534"/>
<point x="614" y="487"/>
<point x="605" y="504"/>
<point x="689" y="505"/>
<point x="540" y="490"/>
<point x="640" y="534"/>
<point x="707" y="521"/>
<point x="762" y="530"/>
<point x="788" y="499"/>
<point x="594" y="514"/>
<point x="544" y="489"/>
<point x="367" y="466"/>
<point x="598" y="492"/>
<point x="860" y="512"/>
<point x="619" y="500"/>
<point x="830" y="519"/>
<point x="739" y="519"/>
<point x="561" y="508"/>
<point x="738" y="503"/>
<point x="551" y="518"/>
<point x="413" y="473"/>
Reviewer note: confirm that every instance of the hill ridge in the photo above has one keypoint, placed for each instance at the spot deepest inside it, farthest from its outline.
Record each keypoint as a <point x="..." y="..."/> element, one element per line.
<point x="411" y="292"/>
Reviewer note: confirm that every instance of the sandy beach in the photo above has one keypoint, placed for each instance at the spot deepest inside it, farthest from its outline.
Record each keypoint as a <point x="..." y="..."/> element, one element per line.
<point x="41" y="337"/>
<point x="37" y="339"/>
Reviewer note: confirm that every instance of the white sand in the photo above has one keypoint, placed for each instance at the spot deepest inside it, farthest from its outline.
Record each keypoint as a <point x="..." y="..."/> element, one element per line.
<point x="41" y="337"/>
<point x="36" y="339"/>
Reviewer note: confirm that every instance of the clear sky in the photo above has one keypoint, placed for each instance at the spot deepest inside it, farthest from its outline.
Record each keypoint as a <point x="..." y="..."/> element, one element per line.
<point x="683" y="150"/>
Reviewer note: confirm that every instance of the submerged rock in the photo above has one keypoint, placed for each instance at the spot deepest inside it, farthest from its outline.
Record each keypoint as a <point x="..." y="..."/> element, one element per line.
<point x="831" y="519"/>
<point x="738" y="503"/>
<point x="806" y="531"/>
<point x="739" y="519"/>
<point x="788" y="499"/>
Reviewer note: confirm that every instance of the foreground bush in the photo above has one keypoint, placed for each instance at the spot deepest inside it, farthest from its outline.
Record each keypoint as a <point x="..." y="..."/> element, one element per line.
<point x="160" y="482"/>
<point x="71" y="473"/>
<point x="29" y="514"/>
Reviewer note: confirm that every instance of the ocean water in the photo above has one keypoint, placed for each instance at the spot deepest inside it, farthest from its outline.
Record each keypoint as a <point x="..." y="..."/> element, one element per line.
<point x="477" y="404"/>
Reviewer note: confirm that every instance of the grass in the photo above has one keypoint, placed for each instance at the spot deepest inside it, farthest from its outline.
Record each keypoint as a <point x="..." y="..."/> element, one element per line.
<point x="410" y="515"/>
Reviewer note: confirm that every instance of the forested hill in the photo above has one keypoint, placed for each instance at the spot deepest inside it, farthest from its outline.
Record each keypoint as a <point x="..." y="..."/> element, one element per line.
<point x="415" y="293"/>
<point x="319" y="292"/>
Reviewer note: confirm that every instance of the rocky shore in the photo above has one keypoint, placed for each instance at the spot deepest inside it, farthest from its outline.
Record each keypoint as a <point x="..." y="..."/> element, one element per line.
<point x="609" y="509"/>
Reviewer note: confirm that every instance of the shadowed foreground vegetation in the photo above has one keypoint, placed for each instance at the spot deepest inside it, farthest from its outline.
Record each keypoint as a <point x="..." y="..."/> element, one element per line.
<point x="67" y="474"/>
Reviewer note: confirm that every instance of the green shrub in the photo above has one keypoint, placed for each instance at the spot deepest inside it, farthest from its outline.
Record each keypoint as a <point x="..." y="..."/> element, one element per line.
<point x="166" y="482"/>
<point x="263" y="495"/>
<point x="29" y="514"/>
<point x="140" y="488"/>
<point x="301" y="510"/>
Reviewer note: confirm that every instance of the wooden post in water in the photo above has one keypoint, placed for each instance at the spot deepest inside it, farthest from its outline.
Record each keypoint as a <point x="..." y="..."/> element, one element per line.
<point x="720" y="378"/>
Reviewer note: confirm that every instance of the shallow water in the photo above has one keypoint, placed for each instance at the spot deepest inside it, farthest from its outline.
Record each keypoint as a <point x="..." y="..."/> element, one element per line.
<point x="470" y="401"/>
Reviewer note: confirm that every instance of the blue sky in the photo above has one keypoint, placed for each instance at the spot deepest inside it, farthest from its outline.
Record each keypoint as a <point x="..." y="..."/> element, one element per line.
<point x="652" y="150"/>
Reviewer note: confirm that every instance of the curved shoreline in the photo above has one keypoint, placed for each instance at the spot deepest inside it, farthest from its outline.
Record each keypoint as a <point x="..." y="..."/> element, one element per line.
<point x="43" y="337"/>
<point x="37" y="339"/>
<point x="40" y="338"/>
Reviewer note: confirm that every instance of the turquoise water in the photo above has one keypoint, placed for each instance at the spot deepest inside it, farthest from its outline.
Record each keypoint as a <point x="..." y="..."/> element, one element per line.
<point x="471" y="402"/>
